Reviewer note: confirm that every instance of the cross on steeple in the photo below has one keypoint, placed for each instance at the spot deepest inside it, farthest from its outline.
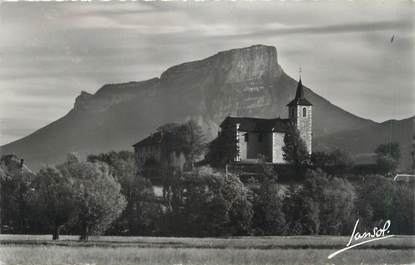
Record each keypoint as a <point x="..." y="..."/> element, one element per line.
<point x="300" y="113"/>
<point x="299" y="96"/>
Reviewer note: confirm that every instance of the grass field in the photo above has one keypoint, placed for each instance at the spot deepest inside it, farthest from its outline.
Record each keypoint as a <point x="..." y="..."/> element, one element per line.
<point x="40" y="250"/>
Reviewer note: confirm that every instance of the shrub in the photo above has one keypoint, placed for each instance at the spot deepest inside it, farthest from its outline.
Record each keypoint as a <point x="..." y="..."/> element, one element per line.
<point x="322" y="205"/>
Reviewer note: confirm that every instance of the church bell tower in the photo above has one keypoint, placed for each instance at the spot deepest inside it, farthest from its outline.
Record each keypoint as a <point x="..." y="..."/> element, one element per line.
<point x="300" y="113"/>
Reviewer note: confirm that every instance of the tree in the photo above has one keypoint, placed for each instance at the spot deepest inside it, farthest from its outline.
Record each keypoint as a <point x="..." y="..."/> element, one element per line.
<point x="337" y="161"/>
<point x="269" y="218"/>
<point x="374" y="201"/>
<point x="295" y="150"/>
<point x="323" y="205"/>
<point x="98" y="197"/>
<point x="205" y="210"/>
<point x="301" y="214"/>
<point x="194" y="141"/>
<point x="181" y="147"/>
<point x="53" y="196"/>
<point x="413" y="154"/>
<point x="222" y="149"/>
<point x="380" y="199"/>
<point x="186" y="139"/>
<point x="388" y="156"/>
<point x="403" y="209"/>
<point x="337" y="207"/>
<point x="240" y="207"/>
<point x="15" y="179"/>
<point x="142" y="210"/>
<point x="341" y="159"/>
<point x="205" y="202"/>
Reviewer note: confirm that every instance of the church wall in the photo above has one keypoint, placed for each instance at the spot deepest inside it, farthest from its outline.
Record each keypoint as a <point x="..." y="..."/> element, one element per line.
<point x="277" y="144"/>
<point x="252" y="150"/>
<point x="269" y="147"/>
<point x="257" y="147"/>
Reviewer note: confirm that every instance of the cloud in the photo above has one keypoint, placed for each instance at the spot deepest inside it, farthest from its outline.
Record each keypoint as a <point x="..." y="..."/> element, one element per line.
<point x="331" y="29"/>
<point x="49" y="52"/>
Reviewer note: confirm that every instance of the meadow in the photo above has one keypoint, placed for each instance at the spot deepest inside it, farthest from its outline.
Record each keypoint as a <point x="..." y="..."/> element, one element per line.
<point x="40" y="250"/>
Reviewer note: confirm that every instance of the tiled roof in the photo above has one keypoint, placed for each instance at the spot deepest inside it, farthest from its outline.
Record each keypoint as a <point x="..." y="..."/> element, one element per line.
<point x="256" y="124"/>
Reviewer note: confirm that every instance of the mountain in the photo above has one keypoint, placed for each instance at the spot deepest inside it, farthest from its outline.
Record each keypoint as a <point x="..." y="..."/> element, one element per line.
<point x="244" y="82"/>
<point x="363" y="141"/>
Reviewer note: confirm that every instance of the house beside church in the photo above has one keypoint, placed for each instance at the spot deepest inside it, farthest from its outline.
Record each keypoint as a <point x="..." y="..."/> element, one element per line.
<point x="148" y="149"/>
<point x="264" y="138"/>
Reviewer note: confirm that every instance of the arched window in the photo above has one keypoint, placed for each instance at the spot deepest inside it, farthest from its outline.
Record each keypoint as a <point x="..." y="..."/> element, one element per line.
<point x="304" y="112"/>
<point x="292" y="112"/>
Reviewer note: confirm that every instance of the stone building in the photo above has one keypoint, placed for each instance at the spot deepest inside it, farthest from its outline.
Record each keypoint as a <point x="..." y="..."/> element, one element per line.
<point x="154" y="152"/>
<point x="148" y="150"/>
<point x="264" y="138"/>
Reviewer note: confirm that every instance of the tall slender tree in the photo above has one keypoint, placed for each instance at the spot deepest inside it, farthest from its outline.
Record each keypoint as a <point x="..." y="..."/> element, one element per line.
<point x="388" y="156"/>
<point x="295" y="150"/>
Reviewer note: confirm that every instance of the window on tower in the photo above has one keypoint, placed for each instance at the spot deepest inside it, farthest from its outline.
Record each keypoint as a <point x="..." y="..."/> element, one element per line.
<point x="304" y="112"/>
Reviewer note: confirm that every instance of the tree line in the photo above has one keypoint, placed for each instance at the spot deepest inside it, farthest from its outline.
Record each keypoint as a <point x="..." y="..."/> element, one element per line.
<point x="106" y="194"/>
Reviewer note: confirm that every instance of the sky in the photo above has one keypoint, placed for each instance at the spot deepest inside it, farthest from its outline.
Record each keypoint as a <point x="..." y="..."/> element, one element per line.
<point x="50" y="52"/>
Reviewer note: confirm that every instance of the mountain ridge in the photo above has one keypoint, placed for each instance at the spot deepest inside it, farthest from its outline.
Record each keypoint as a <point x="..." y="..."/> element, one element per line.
<point x="366" y="139"/>
<point x="240" y="82"/>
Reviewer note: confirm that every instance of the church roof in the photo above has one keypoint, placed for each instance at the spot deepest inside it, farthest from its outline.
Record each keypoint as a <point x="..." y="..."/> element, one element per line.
<point x="299" y="97"/>
<point x="248" y="124"/>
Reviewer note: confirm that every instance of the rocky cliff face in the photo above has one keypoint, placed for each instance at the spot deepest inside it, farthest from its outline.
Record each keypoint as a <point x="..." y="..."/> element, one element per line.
<point x="112" y="94"/>
<point x="237" y="82"/>
<point x="240" y="82"/>
<point x="255" y="62"/>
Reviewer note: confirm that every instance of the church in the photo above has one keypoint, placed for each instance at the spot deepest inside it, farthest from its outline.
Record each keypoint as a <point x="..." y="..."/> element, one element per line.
<point x="254" y="138"/>
<point x="264" y="138"/>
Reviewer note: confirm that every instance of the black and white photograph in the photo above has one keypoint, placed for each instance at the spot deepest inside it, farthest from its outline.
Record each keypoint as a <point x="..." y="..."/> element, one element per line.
<point x="232" y="132"/>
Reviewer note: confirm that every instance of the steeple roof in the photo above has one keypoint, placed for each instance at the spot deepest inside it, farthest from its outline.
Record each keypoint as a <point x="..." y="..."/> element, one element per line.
<point x="299" y="96"/>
